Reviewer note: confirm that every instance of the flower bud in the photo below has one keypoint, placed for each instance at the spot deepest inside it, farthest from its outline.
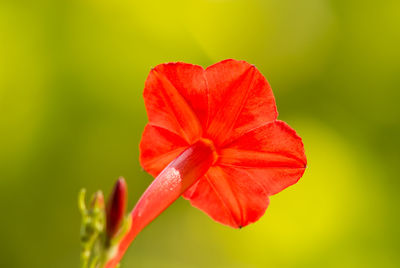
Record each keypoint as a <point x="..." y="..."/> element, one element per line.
<point x="116" y="207"/>
<point x="97" y="202"/>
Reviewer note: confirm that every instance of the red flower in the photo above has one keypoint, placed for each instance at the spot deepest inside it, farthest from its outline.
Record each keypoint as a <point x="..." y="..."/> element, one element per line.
<point x="230" y="104"/>
<point x="213" y="136"/>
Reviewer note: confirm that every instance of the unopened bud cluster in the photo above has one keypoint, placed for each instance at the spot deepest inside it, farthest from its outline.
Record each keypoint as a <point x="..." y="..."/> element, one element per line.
<point x="101" y="224"/>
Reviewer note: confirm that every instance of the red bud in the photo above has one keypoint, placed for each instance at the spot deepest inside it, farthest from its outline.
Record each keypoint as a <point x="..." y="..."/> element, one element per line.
<point x="116" y="207"/>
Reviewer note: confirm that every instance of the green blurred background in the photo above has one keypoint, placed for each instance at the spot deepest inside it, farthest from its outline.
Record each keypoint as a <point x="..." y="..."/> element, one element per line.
<point x="71" y="110"/>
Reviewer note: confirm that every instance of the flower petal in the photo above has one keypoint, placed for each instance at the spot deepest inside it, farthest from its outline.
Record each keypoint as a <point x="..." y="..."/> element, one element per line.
<point x="260" y="163"/>
<point x="175" y="96"/>
<point x="273" y="154"/>
<point x="240" y="99"/>
<point x="230" y="196"/>
<point x="158" y="147"/>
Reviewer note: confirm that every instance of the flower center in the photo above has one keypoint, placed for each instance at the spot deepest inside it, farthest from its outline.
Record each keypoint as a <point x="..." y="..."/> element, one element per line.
<point x="210" y="145"/>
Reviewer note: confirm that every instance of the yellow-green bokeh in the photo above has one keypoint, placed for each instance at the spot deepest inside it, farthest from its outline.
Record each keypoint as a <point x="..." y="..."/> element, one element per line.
<point x="71" y="116"/>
